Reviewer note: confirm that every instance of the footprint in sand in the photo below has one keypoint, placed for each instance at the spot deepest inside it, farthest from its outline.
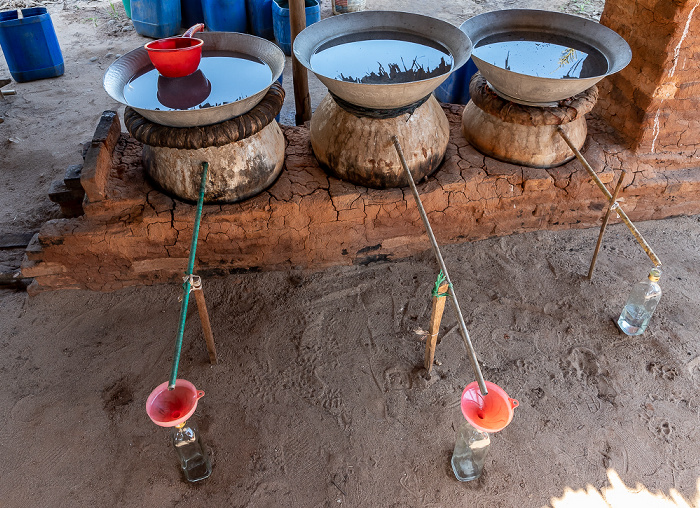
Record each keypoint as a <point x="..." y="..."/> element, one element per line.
<point x="117" y="395"/>
<point x="584" y="363"/>
<point x="662" y="372"/>
<point x="396" y="378"/>
<point x="664" y="430"/>
<point x="525" y="366"/>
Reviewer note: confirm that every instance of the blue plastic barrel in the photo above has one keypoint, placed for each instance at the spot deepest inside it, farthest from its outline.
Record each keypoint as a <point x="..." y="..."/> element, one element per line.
<point x="260" y="18"/>
<point x="225" y="15"/>
<point x="192" y="12"/>
<point x="156" y="18"/>
<point x="280" y="20"/>
<point x="30" y="45"/>
<point x="455" y="89"/>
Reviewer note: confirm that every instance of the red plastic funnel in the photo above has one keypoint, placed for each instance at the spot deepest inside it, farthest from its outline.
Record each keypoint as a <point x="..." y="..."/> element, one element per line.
<point x="176" y="57"/>
<point x="168" y="408"/>
<point x="489" y="413"/>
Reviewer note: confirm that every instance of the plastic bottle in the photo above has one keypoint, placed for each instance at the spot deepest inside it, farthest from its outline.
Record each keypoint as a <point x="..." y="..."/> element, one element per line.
<point x="640" y="305"/>
<point x="194" y="460"/>
<point x="471" y="447"/>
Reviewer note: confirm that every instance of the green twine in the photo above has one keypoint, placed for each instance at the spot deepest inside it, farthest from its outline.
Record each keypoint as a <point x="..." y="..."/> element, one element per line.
<point x="439" y="282"/>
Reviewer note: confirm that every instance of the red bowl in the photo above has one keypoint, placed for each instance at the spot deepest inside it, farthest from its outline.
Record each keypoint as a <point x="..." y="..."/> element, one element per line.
<point x="175" y="57"/>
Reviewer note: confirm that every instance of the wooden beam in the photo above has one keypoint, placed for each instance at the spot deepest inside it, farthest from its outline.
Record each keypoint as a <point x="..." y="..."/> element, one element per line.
<point x="204" y="318"/>
<point x="11" y="277"/>
<point x="302" y="100"/>
<point x="15" y="240"/>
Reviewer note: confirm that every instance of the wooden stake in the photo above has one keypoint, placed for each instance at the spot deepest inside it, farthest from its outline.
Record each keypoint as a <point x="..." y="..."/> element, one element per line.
<point x="297" y="22"/>
<point x="204" y="318"/>
<point x="611" y="206"/>
<point x="618" y="209"/>
<point x="435" y="320"/>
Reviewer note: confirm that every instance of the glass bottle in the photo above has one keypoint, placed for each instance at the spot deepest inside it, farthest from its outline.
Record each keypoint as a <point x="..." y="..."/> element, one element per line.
<point x="641" y="304"/>
<point x="194" y="460"/>
<point x="471" y="447"/>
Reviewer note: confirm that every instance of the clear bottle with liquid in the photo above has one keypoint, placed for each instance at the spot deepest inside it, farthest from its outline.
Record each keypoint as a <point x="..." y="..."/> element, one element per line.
<point x="471" y="447"/>
<point x="194" y="459"/>
<point x="641" y="304"/>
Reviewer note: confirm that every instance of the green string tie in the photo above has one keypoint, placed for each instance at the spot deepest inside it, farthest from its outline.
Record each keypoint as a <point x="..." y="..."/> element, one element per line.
<point x="439" y="282"/>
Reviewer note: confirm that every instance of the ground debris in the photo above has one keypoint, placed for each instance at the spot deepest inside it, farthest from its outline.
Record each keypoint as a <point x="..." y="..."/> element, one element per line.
<point x="25" y="4"/>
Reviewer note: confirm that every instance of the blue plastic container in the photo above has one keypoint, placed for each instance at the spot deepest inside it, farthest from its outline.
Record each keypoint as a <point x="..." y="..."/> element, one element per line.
<point x="127" y="8"/>
<point x="192" y="12"/>
<point x="156" y="18"/>
<point x="225" y="15"/>
<point x="260" y="18"/>
<point x="455" y="89"/>
<point x="280" y="20"/>
<point x="30" y="45"/>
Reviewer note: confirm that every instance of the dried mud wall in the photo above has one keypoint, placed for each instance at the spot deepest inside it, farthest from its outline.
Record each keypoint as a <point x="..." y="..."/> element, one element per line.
<point x="655" y="101"/>
<point x="131" y="233"/>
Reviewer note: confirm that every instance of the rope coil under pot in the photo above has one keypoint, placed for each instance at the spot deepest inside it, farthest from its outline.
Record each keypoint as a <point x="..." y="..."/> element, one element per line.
<point x="220" y="134"/>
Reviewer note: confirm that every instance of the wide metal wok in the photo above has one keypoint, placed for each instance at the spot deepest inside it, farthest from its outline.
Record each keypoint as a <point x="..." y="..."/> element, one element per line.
<point x="122" y="70"/>
<point x="382" y="96"/>
<point x="534" y="89"/>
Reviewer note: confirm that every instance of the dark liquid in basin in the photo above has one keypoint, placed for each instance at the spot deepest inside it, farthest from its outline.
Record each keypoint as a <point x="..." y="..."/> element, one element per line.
<point x="381" y="58"/>
<point x="542" y="55"/>
<point x="221" y="78"/>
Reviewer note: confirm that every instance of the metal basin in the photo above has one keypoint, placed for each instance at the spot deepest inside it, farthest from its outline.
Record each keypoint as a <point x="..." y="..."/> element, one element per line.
<point x="536" y="89"/>
<point x="122" y="70"/>
<point x="375" y="25"/>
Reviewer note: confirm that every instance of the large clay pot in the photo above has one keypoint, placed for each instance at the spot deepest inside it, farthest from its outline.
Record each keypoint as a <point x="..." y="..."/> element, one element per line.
<point x="525" y="135"/>
<point x="359" y="149"/>
<point x="237" y="171"/>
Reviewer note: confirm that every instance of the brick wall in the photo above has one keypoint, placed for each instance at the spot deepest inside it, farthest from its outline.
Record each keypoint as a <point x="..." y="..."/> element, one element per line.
<point x="655" y="101"/>
<point x="132" y="234"/>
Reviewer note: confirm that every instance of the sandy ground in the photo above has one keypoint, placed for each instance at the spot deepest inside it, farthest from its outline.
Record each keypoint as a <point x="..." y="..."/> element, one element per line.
<point x="319" y="399"/>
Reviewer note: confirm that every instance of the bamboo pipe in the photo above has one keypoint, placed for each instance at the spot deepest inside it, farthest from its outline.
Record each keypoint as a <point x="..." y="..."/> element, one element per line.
<point x="186" y="285"/>
<point x="441" y="262"/>
<point x="611" y="205"/>
<point x="620" y="212"/>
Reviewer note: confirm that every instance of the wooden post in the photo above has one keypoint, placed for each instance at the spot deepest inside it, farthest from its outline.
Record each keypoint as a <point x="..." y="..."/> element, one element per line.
<point x="297" y="22"/>
<point x="618" y="209"/>
<point x="611" y="206"/>
<point x="435" y="320"/>
<point x="204" y="318"/>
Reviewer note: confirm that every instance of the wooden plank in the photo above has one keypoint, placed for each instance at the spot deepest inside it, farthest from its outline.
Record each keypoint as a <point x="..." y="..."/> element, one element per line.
<point x="15" y="240"/>
<point x="11" y="276"/>
<point x="206" y="324"/>
<point x="435" y="320"/>
<point x="300" y="78"/>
